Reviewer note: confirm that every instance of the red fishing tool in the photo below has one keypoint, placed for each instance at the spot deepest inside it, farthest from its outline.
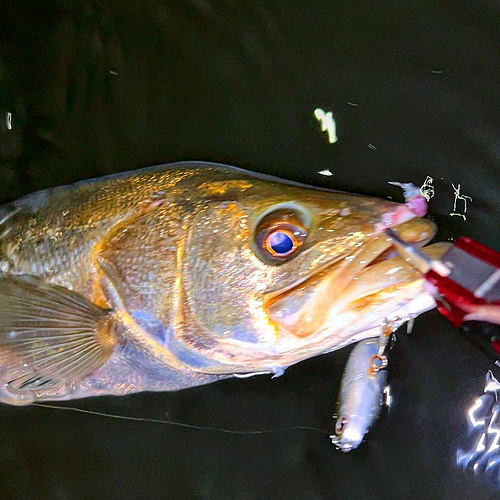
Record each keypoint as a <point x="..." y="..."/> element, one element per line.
<point x="467" y="274"/>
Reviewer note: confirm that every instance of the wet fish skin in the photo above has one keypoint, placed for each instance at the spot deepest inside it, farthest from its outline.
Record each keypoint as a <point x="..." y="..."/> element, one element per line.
<point x="156" y="280"/>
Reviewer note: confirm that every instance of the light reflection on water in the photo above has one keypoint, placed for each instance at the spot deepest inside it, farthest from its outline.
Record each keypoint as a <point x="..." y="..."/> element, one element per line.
<point x="480" y="453"/>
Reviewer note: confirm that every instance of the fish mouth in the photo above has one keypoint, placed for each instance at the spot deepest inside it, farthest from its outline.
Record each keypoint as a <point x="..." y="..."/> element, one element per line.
<point x="351" y="285"/>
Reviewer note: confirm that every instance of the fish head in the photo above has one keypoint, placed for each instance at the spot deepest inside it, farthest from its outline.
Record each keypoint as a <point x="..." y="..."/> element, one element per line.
<point x="275" y="273"/>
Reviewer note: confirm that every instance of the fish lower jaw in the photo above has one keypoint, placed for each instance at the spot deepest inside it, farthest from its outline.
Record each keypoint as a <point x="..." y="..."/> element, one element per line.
<point x="398" y="317"/>
<point x="245" y="359"/>
<point x="290" y="349"/>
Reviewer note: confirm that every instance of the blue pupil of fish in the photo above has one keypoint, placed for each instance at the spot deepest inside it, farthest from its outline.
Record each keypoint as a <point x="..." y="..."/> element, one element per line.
<point x="281" y="243"/>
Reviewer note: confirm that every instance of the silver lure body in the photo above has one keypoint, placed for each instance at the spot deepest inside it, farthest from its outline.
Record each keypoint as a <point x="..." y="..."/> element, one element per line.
<point x="360" y="397"/>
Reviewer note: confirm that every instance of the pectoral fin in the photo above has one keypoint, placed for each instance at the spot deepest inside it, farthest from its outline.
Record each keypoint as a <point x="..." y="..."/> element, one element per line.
<point x="49" y="334"/>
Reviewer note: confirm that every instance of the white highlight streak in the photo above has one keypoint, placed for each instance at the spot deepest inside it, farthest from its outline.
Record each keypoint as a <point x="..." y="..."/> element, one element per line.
<point x="427" y="189"/>
<point x="462" y="197"/>
<point x="473" y="410"/>
<point x="388" y="397"/>
<point x="488" y="284"/>
<point x="494" y="446"/>
<point x="326" y="172"/>
<point x="327" y="124"/>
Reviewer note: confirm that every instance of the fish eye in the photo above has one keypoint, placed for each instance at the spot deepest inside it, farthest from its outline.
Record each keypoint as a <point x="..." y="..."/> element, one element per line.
<point x="279" y="236"/>
<point x="281" y="243"/>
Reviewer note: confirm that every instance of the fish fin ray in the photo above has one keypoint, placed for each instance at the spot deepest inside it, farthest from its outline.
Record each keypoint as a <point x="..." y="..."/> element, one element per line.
<point x="57" y="335"/>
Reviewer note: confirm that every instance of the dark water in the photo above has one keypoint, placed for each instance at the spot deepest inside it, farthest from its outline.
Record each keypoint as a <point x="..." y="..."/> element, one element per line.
<point x="101" y="87"/>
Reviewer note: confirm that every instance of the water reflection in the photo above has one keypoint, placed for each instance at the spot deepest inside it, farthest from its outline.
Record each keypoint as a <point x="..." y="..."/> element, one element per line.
<point x="8" y="120"/>
<point x="481" y="447"/>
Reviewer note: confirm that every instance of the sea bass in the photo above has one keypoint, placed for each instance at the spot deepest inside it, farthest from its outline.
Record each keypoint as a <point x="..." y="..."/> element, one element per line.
<point x="185" y="274"/>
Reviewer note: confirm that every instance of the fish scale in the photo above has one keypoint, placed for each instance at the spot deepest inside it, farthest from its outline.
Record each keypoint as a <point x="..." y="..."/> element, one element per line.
<point x="168" y="278"/>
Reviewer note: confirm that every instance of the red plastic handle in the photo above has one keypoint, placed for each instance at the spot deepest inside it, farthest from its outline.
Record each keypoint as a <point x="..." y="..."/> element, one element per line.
<point x="453" y="298"/>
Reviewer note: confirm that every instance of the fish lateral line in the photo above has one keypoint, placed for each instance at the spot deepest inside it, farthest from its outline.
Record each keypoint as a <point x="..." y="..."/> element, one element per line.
<point x="182" y="424"/>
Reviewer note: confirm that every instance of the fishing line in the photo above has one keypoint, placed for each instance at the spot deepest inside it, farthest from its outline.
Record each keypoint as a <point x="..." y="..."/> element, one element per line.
<point x="181" y="424"/>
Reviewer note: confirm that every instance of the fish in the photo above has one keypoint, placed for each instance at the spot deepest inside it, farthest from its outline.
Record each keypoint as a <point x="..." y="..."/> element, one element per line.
<point x="185" y="274"/>
<point x="361" y="396"/>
